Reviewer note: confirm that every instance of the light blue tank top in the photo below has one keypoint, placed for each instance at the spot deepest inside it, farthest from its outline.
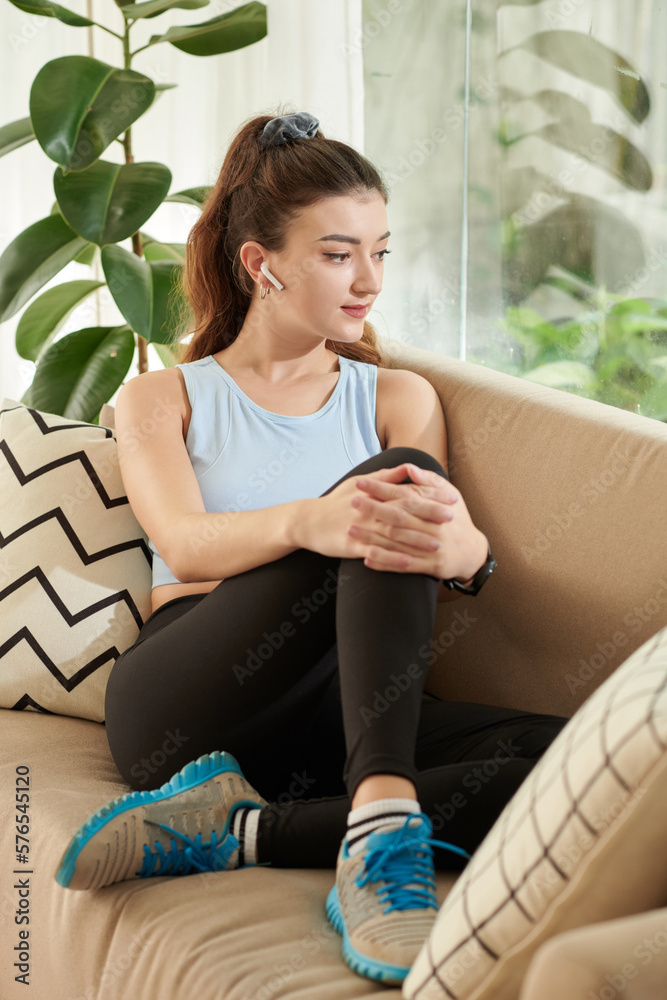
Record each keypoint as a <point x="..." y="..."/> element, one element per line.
<point x="246" y="457"/>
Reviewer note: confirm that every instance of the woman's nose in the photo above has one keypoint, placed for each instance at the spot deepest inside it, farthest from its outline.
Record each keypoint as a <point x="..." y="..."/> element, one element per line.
<point x="367" y="280"/>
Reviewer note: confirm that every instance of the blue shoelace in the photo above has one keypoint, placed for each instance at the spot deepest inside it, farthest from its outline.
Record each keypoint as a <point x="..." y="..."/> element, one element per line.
<point x="399" y="865"/>
<point x="192" y="854"/>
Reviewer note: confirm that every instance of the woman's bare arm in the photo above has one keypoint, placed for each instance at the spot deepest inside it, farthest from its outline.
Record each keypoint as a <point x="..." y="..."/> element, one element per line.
<point x="209" y="546"/>
<point x="165" y="497"/>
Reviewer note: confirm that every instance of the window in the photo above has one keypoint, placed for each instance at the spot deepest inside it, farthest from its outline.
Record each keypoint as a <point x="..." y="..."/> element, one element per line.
<point x="525" y="148"/>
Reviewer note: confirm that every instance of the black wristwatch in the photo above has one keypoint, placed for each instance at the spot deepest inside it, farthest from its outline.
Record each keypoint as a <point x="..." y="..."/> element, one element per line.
<point x="478" y="580"/>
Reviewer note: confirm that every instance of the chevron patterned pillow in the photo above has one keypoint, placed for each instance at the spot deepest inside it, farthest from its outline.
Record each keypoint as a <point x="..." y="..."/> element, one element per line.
<point x="75" y="567"/>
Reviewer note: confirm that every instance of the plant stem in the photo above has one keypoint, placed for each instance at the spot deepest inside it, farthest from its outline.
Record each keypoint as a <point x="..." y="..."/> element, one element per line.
<point x="104" y="28"/>
<point x="142" y="359"/>
<point x="141" y="49"/>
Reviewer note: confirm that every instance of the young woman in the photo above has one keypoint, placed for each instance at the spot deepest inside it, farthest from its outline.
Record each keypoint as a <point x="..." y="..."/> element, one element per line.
<point x="297" y="501"/>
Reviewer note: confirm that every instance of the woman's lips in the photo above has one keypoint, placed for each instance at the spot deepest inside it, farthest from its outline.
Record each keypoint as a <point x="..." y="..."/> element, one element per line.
<point x="358" y="311"/>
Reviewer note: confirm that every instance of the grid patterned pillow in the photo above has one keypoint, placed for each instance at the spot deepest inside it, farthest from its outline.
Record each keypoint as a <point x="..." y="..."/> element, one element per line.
<point x="75" y="567"/>
<point x="581" y="841"/>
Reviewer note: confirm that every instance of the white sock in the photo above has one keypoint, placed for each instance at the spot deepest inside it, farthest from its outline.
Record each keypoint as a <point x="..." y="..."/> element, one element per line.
<point x="244" y="828"/>
<point x="363" y="820"/>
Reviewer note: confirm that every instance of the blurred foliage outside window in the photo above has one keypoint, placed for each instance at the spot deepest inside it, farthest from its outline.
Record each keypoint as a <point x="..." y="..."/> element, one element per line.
<point x="525" y="148"/>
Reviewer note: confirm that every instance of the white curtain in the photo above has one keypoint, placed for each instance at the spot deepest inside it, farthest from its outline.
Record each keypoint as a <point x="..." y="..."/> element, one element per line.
<point x="311" y="60"/>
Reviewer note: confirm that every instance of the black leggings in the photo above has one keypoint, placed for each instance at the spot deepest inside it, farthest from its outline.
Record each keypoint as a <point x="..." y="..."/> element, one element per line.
<point x="310" y="670"/>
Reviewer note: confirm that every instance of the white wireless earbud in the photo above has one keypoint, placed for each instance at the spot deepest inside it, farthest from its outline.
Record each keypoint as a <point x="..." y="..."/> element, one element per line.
<point x="264" y="268"/>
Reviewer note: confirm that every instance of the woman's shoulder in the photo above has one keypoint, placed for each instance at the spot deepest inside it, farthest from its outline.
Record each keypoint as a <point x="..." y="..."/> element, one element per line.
<point x="148" y="383"/>
<point x="400" y="388"/>
<point x="163" y="388"/>
<point x="401" y="381"/>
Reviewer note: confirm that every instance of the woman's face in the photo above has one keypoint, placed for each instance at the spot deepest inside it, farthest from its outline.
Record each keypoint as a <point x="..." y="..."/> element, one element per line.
<point x="334" y="258"/>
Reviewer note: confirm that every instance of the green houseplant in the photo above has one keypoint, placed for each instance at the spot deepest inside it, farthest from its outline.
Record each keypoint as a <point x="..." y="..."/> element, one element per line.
<point x="79" y="106"/>
<point x="615" y="351"/>
<point x="613" y="347"/>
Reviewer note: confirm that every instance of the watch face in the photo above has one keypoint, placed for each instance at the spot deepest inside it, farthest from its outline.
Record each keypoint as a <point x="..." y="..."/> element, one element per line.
<point x="489" y="569"/>
<point x="482" y="575"/>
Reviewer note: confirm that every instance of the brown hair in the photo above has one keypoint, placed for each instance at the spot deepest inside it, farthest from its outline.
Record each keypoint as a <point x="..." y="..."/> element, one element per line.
<point x="257" y="195"/>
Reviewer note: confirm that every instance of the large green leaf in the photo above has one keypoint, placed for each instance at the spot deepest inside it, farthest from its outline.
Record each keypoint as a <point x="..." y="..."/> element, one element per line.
<point x="576" y="132"/>
<point x="192" y="196"/>
<point x="147" y="293"/>
<point x="540" y="340"/>
<point x="658" y="368"/>
<point x="562" y="373"/>
<point x="652" y="306"/>
<point x="32" y="259"/>
<point x="87" y="255"/>
<point x="604" y="148"/>
<point x="45" y="8"/>
<point x="151" y="8"/>
<point x="108" y="202"/>
<point x="44" y="317"/>
<point x="554" y="102"/>
<point x="165" y="251"/>
<point x="224" y="33"/>
<point x="15" y="134"/>
<point x="653" y="403"/>
<point x="79" y="105"/>
<point x="80" y="372"/>
<point x="626" y="319"/>
<point x="643" y="352"/>
<point x="518" y="185"/>
<point x="567" y="283"/>
<point x="586" y="58"/>
<point x="166" y="355"/>
<point x="550" y="241"/>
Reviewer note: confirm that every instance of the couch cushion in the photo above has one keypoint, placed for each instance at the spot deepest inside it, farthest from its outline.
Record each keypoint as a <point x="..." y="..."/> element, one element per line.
<point x="75" y="567"/>
<point x="600" y="961"/>
<point x="252" y="934"/>
<point x="582" y="840"/>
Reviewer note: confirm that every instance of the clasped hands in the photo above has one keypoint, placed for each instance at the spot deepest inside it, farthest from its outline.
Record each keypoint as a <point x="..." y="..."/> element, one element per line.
<point x="419" y="527"/>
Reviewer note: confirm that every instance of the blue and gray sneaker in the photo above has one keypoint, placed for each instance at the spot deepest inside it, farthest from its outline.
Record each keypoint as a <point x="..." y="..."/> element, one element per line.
<point x="176" y="829"/>
<point x="384" y="902"/>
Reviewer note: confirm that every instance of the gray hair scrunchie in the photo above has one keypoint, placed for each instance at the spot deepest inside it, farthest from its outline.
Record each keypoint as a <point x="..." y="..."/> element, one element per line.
<point x="301" y="125"/>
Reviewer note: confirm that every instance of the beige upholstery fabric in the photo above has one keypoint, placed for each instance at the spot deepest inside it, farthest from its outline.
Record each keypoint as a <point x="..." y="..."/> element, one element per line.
<point x="618" y="958"/>
<point x="252" y="934"/>
<point x="259" y="934"/>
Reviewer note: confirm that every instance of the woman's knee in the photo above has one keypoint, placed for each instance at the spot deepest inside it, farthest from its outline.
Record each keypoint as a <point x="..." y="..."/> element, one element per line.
<point x="391" y="457"/>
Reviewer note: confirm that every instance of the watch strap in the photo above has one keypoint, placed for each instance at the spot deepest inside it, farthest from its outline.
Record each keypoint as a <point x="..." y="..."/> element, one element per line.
<point x="478" y="580"/>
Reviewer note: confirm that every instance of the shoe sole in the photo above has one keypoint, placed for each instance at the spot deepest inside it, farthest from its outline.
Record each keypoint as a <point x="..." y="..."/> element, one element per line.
<point x="192" y="774"/>
<point x="384" y="972"/>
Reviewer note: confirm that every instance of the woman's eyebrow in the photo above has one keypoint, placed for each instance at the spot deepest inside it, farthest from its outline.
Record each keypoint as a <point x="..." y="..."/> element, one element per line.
<point x="341" y="238"/>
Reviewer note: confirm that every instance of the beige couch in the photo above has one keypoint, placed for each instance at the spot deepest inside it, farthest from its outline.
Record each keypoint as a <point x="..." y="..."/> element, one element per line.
<point x="571" y="494"/>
